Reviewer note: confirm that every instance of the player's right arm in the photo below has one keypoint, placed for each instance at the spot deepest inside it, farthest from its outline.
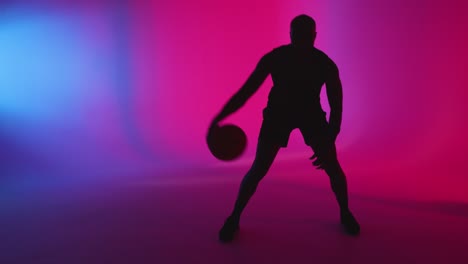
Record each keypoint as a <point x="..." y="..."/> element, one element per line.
<point x="253" y="83"/>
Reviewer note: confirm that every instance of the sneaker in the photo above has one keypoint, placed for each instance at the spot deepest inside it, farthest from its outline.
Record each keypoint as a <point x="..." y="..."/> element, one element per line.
<point x="350" y="223"/>
<point x="229" y="229"/>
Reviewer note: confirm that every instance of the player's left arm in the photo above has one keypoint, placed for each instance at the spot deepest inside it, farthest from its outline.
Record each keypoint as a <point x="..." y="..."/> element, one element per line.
<point x="253" y="83"/>
<point x="335" y="98"/>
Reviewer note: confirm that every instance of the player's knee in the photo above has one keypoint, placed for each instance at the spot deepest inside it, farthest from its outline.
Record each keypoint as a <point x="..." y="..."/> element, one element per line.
<point x="258" y="171"/>
<point x="330" y="162"/>
<point x="249" y="185"/>
<point x="255" y="174"/>
<point x="260" y="167"/>
<point x="334" y="171"/>
<point x="328" y="156"/>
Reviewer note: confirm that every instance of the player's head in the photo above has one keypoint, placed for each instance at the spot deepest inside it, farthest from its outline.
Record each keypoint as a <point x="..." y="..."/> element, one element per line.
<point x="303" y="30"/>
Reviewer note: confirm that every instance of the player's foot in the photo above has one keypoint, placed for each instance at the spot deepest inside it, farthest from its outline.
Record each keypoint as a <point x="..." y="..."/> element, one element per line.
<point x="229" y="229"/>
<point x="350" y="223"/>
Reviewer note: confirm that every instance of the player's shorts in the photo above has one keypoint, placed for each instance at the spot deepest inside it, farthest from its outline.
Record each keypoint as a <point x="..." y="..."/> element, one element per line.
<point x="314" y="129"/>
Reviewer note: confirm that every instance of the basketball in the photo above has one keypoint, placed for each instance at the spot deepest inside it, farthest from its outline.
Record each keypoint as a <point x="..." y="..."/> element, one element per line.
<point x="227" y="142"/>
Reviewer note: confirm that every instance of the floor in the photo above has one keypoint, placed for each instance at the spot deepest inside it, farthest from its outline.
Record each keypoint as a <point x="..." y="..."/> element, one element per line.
<point x="173" y="217"/>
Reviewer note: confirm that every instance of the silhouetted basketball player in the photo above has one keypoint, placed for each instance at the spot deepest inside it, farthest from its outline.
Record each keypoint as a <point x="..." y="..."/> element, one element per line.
<point x="298" y="71"/>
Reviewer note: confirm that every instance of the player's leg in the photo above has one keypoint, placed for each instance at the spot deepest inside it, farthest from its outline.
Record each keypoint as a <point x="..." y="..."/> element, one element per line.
<point x="316" y="135"/>
<point x="329" y="162"/>
<point x="264" y="158"/>
<point x="265" y="155"/>
<point x="327" y="158"/>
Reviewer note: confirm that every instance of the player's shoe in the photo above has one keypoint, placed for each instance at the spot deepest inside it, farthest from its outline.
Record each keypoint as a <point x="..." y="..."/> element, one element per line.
<point x="350" y="223"/>
<point x="229" y="229"/>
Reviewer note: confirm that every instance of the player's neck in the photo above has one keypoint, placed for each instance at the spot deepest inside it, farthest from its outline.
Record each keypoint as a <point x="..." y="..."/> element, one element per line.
<point x="303" y="46"/>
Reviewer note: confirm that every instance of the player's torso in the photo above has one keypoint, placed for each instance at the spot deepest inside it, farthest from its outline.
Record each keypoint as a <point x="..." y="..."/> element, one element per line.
<point x="298" y="77"/>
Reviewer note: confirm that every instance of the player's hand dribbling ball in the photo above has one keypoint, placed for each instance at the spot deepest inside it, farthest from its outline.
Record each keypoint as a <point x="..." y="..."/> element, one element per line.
<point x="226" y="142"/>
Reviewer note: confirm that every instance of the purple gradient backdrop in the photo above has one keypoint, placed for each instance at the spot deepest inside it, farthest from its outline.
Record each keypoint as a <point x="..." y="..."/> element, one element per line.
<point x="99" y="83"/>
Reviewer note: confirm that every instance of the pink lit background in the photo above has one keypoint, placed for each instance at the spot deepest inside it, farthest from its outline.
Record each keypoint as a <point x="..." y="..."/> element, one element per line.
<point x="104" y="84"/>
<point x="104" y="107"/>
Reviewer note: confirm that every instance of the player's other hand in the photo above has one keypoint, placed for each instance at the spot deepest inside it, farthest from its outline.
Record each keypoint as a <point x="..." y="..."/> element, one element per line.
<point x="316" y="162"/>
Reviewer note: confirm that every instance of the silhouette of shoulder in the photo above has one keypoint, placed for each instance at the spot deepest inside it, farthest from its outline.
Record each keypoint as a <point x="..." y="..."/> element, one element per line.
<point x="328" y="62"/>
<point x="271" y="57"/>
<point x="285" y="53"/>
